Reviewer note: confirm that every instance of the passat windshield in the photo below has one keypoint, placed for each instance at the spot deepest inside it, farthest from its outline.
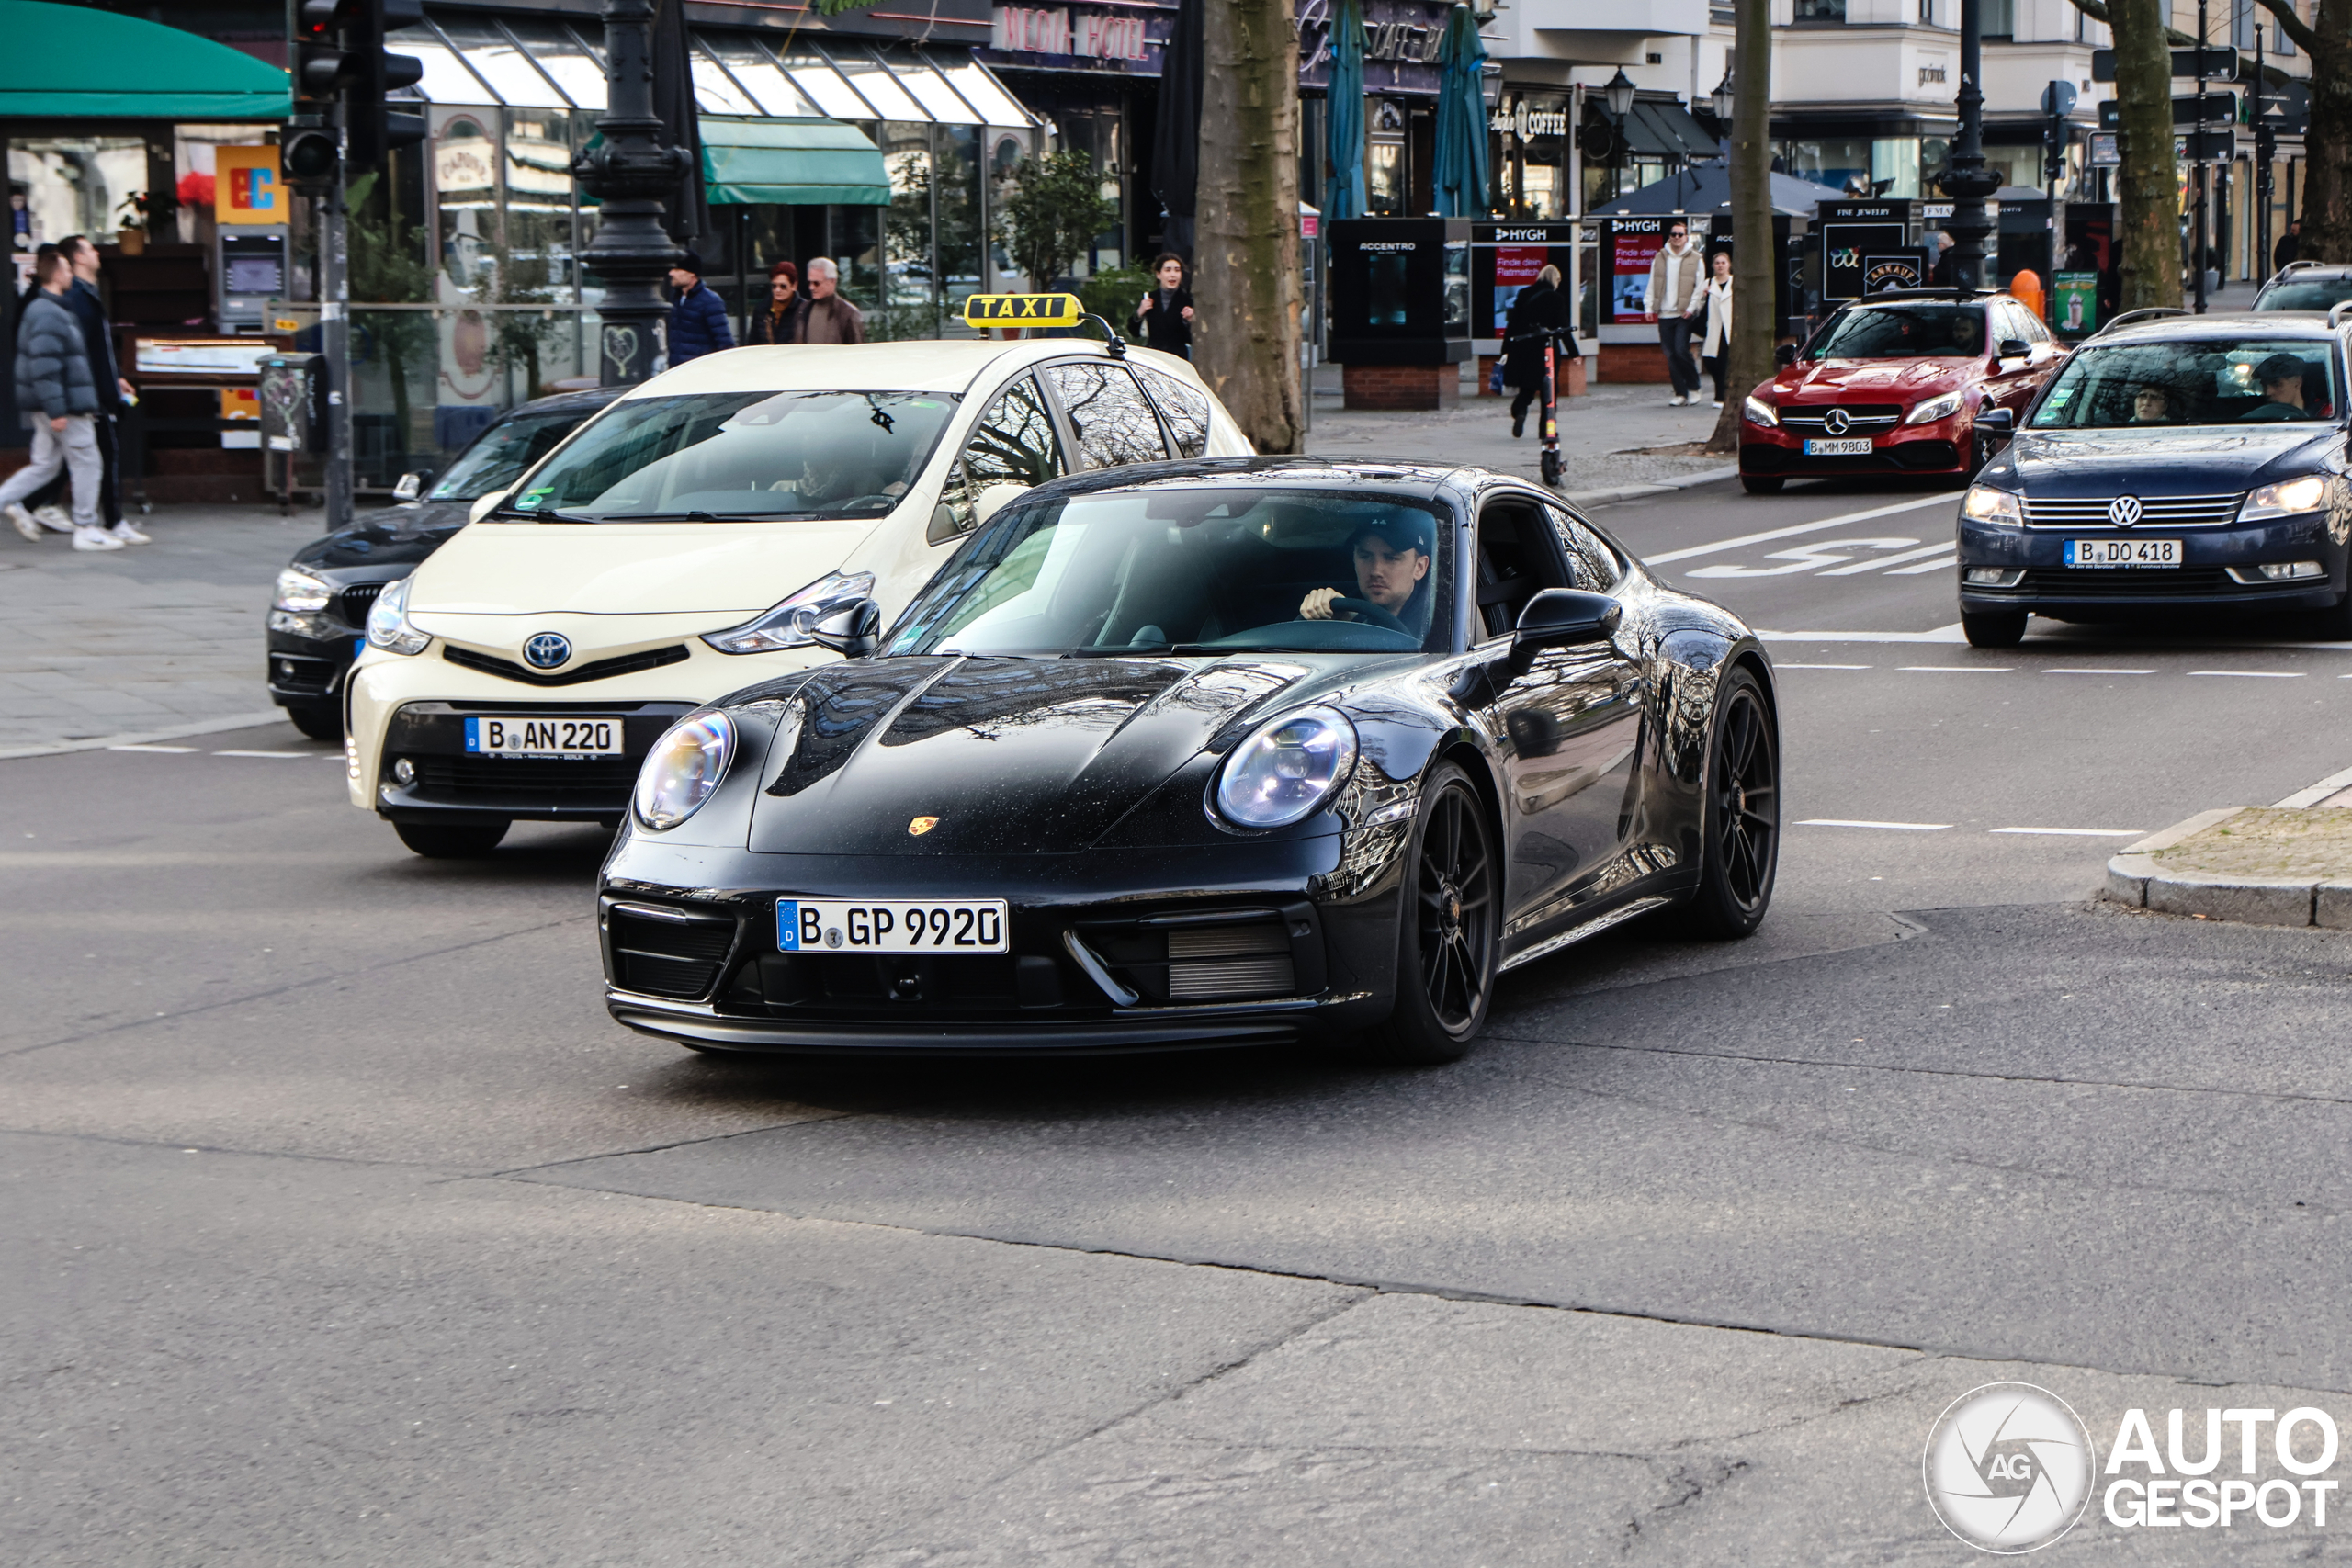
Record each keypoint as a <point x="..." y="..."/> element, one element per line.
<point x="2317" y="296"/>
<point x="2249" y="380"/>
<point x="1202" y="570"/>
<point x="727" y="457"/>
<point x="501" y="454"/>
<point x="1903" y="332"/>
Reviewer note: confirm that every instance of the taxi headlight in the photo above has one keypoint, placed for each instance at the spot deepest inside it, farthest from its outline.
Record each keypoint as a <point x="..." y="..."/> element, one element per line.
<point x="1759" y="412"/>
<point x="1985" y="505"/>
<point x="387" y="626"/>
<point x="2285" y="499"/>
<point x="1934" y="408"/>
<point x="787" y="624"/>
<point x="684" y="767"/>
<point x="1287" y="768"/>
<point x="298" y="591"/>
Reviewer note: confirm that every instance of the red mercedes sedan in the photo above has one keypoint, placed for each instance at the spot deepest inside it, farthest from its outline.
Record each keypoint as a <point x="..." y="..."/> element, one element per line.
<point x="1893" y="385"/>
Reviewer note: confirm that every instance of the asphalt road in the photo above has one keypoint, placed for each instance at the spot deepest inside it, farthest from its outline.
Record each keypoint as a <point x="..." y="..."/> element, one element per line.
<point x="344" y="1227"/>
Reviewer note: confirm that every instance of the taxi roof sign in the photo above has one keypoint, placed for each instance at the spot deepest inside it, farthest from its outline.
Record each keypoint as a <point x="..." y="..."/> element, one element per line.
<point x="1024" y="310"/>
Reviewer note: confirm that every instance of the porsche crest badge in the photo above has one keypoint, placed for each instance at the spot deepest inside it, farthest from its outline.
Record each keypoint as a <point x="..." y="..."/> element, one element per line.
<point x="922" y="824"/>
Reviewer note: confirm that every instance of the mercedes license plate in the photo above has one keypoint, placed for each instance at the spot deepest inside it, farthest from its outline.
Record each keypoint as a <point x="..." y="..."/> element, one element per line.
<point x="899" y="926"/>
<point x="517" y="736"/>
<point x="2123" y="552"/>
<point x="1849" y="446"/>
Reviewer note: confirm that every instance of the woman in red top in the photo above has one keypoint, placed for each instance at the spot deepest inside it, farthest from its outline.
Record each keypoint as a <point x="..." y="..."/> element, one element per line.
<point x="785" y="318"/>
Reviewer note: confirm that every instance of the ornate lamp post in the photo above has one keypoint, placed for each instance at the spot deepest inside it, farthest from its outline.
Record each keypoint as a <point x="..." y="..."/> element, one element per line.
<point x="629" y="173"/>
<point x="1618" y="94"/>
<point x="1968" y="182"/>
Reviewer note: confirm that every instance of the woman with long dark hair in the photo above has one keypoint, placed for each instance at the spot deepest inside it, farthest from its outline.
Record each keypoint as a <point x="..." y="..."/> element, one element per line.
<point x="1164" y="319"/>
<point x="786" y="318"/>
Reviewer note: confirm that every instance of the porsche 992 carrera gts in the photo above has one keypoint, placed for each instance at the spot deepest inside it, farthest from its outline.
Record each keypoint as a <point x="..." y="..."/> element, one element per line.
<point x="1202" y="753"/>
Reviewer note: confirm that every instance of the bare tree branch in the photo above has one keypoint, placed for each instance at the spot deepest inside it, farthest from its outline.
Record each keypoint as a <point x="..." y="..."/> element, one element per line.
<point x="2294" y="27"/>
<point x="2097" y="11"/>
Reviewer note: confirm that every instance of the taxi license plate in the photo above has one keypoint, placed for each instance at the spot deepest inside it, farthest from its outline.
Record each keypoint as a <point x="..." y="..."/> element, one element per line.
<point x="1847" y="446"/>
<point x="518" y="735"/>
<point x="900" y="926"/>
<point x="2123" y="552"/>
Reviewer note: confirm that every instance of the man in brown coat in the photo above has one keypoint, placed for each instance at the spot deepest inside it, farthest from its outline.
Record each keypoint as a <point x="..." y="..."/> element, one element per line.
<point x="1676" y="278"/>
<point x="830" y="318"/>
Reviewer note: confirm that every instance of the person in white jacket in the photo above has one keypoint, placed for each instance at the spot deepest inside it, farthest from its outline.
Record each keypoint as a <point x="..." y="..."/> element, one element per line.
<point x="1672" y="297"/>
<point x="1714" y="348"/>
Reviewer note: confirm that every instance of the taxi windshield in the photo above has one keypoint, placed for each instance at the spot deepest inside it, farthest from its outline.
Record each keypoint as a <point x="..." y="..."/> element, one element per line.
<point x="2249" y="380"/>
<point x="1216" y="569"/>
<point x="719" y="456"/>
<point x="1903" y="332"/>
<point x="501" y="454"/>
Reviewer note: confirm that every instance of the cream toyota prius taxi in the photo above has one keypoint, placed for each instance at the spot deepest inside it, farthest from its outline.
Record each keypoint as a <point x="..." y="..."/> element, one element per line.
<point x="691" y="538"/>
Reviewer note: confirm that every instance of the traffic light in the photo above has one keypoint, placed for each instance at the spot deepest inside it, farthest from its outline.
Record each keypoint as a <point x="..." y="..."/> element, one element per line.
<point x="341" y="60"/>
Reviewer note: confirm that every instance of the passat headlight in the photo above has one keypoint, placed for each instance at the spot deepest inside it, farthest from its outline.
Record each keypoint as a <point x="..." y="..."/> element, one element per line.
<point x="1287" y="768"/>
<point x="387" y="626"/>
<point x="684" y="767"/>
<point x="1985" y="505"/>
<point x="1759" y="412"/>
<point x="2285" y="499"/>
<point x="299" y="591"/>
<point x="1934" y="408"/>
<point x="787" y="625"/>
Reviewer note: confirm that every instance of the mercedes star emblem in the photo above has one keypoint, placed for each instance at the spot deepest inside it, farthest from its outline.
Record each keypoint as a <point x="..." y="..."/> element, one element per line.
<point x="1836" y="421"/>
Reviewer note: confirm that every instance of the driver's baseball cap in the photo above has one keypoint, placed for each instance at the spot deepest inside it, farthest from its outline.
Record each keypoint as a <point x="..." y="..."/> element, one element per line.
<point x="2278" y="368"/>
<point x="1401" y="529"/>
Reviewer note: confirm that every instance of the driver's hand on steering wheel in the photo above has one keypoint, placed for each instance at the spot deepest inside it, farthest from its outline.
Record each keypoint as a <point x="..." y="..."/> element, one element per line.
<point x="1317" y="606"/>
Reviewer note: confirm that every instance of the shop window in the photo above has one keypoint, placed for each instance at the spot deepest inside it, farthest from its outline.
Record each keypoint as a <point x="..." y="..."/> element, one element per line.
<point x="1107" y="412"/>
<point x="909" y="296"/>
<point x="465" y="184"/>
<point x="959" y="163"/>
<point x="76" y="185"/>
<point x="1821" y="10"/>
<point x="538" y="251"/>
<point x="2000" y="19"/>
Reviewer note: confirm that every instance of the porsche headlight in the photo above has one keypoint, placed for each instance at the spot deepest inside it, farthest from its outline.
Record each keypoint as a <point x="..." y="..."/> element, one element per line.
<point x="787" y="625"/>
<point x="682" y="770"/>
<point x="1759" y="412"/>
<point x="387" y="626"/>
<point x="1985" y="505"/>
<point x="1934" y="408"/>
<point x="300" y="592"/>
<point x="1287" y="768"/>
<point x="2285" y="499"/>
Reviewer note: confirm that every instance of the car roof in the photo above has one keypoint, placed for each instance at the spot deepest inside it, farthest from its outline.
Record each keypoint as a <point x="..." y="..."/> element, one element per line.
<point x="1928" y="297"/>
<point x="927" y="365"/>
<point x="2207" y="329"/>
<point x="1420" y="479"/>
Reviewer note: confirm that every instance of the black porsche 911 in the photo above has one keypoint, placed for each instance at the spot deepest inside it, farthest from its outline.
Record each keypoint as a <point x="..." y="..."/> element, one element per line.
<point x="1237" y="750"/>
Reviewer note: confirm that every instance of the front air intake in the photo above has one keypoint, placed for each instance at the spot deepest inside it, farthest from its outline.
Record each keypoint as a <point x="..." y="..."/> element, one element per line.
<point x="1230" y="963"/>
<point x="663" y="951"/>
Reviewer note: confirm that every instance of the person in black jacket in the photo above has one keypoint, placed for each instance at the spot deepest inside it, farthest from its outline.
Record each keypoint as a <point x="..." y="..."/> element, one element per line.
<point x="1164" y="319"/>
<point x="2290" y="247"/>
<point x="786" y="319"/>
<point x="698" y="320"/>
<point x="54" y="390"/>
<point x="1540" y="305"/>
<point x="115" y="394"/>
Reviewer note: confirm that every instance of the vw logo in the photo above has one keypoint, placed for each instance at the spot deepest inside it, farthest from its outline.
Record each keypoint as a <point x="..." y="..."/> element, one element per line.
<point x="2123" y="511"/>
<point x="547" y="651"/>
<point x="1836" y="421"/>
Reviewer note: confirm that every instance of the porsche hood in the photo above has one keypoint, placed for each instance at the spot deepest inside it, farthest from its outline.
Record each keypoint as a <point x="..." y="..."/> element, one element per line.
<point x="1011" y="756"/>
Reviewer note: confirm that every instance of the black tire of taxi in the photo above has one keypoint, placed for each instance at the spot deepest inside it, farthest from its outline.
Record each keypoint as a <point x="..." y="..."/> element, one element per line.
<point x="440" y="841"/>
<point x="1993" y="629"/>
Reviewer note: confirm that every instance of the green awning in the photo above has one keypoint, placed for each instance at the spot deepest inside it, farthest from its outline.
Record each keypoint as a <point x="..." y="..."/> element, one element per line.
<point x="77" y="63"/>
<point x="793" y="163"/>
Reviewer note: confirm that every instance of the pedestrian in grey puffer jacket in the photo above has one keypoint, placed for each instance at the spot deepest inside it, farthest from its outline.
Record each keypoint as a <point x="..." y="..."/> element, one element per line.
<point x="60" y="403"/>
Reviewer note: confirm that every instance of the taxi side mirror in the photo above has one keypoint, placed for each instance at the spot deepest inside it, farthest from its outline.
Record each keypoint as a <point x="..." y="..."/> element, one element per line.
<point x="993" y="500"/>
<point x="485" y="506"/>
<point x="854" y="631"/>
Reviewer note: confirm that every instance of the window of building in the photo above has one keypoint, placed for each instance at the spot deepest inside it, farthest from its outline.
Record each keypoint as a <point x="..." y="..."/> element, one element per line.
<point x="1820" y="10"/>
<point x="2000" y="19"/>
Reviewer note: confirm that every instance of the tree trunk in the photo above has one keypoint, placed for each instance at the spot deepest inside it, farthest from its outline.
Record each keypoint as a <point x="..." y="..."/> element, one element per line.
<point x="1755" y="267"/>
<point x="2149" y="187"/>
<point x="1246" y="281"/>
<point x="2327" y="143"/>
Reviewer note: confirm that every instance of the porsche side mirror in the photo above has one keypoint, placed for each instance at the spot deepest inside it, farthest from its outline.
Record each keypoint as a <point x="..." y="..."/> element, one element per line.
<point x="2015" y="349"/>
<point x="408" y="486"/>
<point x="854" y="631"/>
<point x="1785" y="355"/>
<point x="1561" y="615"/>
<point x="1996" y="424"/>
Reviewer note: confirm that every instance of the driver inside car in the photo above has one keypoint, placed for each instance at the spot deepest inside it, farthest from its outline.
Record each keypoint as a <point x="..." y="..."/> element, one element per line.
<point x="1392" y="557"/>
<point x="2281" y="379"/>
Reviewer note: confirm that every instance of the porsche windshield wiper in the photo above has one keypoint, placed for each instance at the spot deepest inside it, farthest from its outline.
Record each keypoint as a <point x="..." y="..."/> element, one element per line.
<point x="1125" y="650"/>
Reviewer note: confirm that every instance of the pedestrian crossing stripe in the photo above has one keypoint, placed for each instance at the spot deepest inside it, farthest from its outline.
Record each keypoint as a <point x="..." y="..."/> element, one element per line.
<point x="1024" y="310"/>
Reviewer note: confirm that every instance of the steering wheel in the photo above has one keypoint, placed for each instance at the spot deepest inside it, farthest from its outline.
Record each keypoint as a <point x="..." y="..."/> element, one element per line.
<point x="1365" y="610"/>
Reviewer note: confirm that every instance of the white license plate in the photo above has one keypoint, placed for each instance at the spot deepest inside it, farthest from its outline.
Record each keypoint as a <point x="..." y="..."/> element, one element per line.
<point x="838" y="925"/>
<point x="2123" y="552"/>
<point x="545" y="737"/>
<point x="1849" y="446"/>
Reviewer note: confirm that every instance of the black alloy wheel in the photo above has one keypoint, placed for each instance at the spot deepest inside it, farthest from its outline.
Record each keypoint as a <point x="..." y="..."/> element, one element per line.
<point x="1993" y="629"/>
<point x="1449" y="925"/>
<point x="439" y="841"/>
<point x="1741" y="854"/>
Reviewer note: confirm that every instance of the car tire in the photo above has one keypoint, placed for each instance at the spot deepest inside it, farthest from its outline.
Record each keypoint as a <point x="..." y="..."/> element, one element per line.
<point x="1761" y="484"/>
<point x="1994" y="629"/>
<point x="1448" y="928"/>
<point x="320" y="721"/>
<point x="1740" y="820"/>
<point x="2336" y="626"/>
<point x="449" y="840"/>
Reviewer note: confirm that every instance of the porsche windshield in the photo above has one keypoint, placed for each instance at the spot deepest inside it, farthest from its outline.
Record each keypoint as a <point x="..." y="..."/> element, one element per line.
<point x="713" y="456"/>
<point x="1210" y="569"/>
<point x="499" y="456"/>
<point x="2249" y="380"/>
<point x="1904" y="332"/>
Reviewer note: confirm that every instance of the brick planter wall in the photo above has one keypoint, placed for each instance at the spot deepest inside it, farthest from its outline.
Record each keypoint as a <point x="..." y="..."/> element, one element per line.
<point x="1402" y="386"/>
<point x="1572" y="386"/>
<point x="1623" y="361"/>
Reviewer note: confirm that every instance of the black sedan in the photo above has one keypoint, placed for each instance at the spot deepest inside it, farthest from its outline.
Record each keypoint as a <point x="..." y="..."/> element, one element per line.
<point x="318" y="614"/>
<point x="2177" y="466"/>
<point x="1238" y="750"/>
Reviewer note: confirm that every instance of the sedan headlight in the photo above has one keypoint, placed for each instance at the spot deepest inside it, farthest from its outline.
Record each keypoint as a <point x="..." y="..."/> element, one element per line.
<point x="1934" y="408"/>
<point x="682" y="770"/>
<point x="2285" y="499"/>
<point x="1985" y="505"/>
<point x="787" y="624"/>
<point x="300" y="592"/>
<point x="387" y="626"/>
<point x="1287" y="768"/>
<point x="1759" y="412"/>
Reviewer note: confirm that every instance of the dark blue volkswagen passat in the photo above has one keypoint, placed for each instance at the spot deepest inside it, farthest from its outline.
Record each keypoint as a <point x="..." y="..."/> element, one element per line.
<point x="2177" y="464"/>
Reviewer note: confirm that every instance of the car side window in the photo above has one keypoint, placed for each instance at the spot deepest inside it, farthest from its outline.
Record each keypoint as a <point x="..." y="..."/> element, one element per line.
<point x="1591" y="563"/>
<point x="1013" y="443"/>
<point x="1185" y="408"/>
<point x="1108" y="414"/>
<point x="1516" y="560"/>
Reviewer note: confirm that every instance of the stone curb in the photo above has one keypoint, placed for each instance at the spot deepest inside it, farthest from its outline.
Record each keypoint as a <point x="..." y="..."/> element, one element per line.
<point x="1634" y="492"/>
<point x="2135" y="879"/>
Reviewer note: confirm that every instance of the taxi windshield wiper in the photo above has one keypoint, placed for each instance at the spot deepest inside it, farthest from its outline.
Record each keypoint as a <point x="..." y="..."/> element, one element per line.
<point x="540" y="516"/>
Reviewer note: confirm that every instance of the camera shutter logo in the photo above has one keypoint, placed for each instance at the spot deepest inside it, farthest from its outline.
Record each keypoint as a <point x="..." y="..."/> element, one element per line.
<point x="547" y="651"/>
<point x="2008" y="1467"/>
<point x="2124" y="511"/>
<point x="1836" y="421"/>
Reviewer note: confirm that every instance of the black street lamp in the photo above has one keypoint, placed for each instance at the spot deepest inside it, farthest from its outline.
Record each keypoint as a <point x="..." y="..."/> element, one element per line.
<point x="628" y="175"/>
<point x="1968" y="182"/>
<point x="1618" y="94"/>
<point x="1723" y="101"/>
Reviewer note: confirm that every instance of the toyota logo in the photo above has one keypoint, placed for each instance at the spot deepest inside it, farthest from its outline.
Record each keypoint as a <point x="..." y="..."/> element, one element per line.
<point x="1836" y="423"/>
<point x="2123" y="511"/>
<point x="548" y="649"/>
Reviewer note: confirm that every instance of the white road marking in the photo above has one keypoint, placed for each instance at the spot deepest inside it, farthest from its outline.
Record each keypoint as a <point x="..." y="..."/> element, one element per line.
<point x="171" y="749"/>
<point x="2087" y="670"/>
<point x="1942" y="634"/>
<point x="2254" y="675"/>
<point x="1792" y="532"/>
<point x="1951" y="559"/>
<point x="1941" y="546"/>
<point x="1776" y="665"/>
<point x="1897" y="827"/>
<point x="1958" y="669"/>
<point x="265" y="753"/>
<point x="1809" y="556"/>
<point x="2079" y="832"/>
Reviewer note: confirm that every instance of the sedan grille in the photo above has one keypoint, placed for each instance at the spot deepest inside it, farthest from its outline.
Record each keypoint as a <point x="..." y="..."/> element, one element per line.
<point x="506" y="669"/>
<point x="500" y="781"/>
<point x="1862" y="418"/>
<point x="662" y="951"/>
<point x="351" y="606"/>
<point x="2156" y="511"/>
<point x="2059" y="582"/>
